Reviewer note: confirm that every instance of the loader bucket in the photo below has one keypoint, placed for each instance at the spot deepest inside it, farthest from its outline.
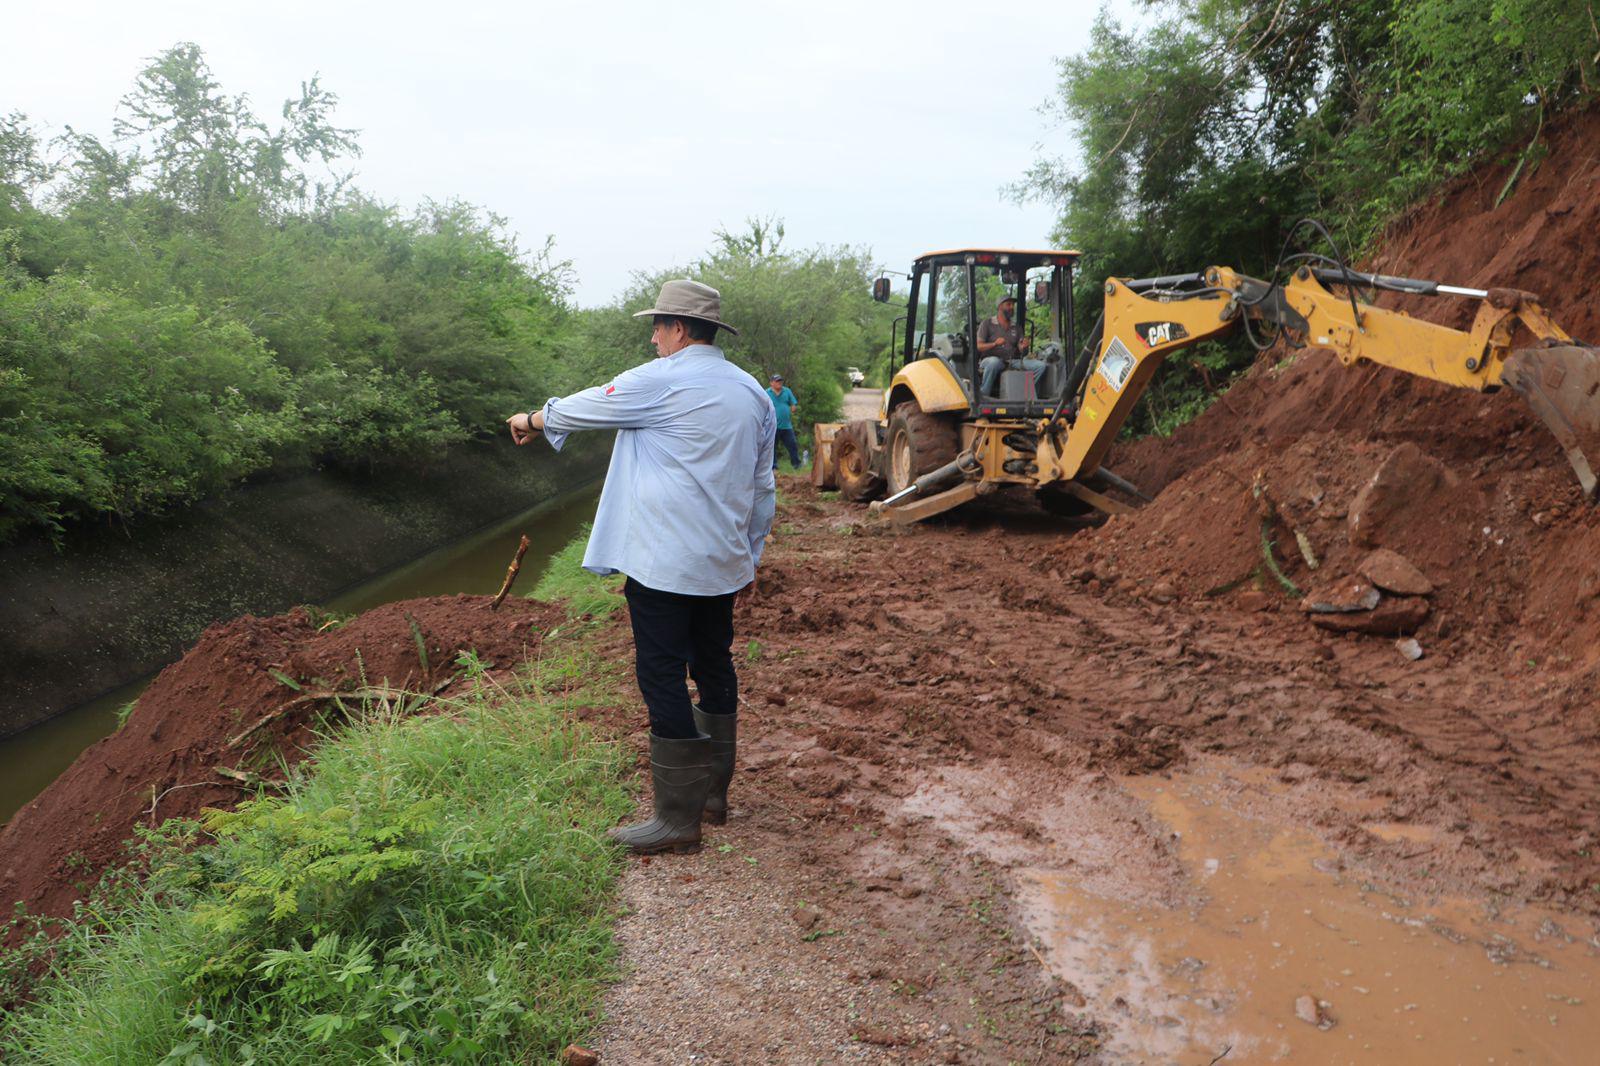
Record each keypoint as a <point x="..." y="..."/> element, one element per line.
<point x="1562" y="385"/>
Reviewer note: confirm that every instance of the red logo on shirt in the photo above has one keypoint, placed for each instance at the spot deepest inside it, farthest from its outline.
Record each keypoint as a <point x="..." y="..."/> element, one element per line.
<point x="610" y="389"/>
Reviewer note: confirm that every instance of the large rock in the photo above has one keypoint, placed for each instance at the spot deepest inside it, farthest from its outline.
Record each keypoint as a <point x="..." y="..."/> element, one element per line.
<point x="1342" y="595"/>
<point x="1393" y="572"/>
<point x="1395" y="616"/>
<point x="1406" y="479"/>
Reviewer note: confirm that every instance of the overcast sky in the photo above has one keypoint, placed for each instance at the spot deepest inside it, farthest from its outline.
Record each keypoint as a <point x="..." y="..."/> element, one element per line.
<point x="629" y="131"/>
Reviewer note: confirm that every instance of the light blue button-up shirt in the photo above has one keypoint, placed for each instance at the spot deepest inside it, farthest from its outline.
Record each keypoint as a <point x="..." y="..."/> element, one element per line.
<point x="689" y="497"/>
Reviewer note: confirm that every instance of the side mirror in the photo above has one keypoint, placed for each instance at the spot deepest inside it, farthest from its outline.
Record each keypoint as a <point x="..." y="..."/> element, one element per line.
<point x="1041" y="292"/>
<point x="880" y="290"/>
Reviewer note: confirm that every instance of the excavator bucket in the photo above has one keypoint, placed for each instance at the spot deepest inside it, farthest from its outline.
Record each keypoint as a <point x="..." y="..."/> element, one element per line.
<point x="1562" y="385"/>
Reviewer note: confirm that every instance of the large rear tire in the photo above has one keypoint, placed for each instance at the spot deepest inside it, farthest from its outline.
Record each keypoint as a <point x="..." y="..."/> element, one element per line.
<point x="852" y="462"/>
<point x="918" y="444"/>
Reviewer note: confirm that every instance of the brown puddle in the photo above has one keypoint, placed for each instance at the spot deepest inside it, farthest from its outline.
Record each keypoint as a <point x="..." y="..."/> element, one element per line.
<point x="1390" y="980"/>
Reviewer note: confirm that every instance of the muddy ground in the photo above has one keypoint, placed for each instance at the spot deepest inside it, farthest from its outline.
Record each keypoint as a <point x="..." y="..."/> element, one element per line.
<point x="944" y="725"/>
<point x="996" y="806"/>
<point x="1015" y="791"/>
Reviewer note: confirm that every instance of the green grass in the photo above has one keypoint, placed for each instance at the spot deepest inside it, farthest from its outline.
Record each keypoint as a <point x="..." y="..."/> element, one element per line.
<point x="430" y="888"/>
<point x="565" y="579"/>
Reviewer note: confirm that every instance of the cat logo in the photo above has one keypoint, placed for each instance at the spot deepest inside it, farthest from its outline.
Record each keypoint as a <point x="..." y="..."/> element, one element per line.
<point x="1155" y="334"/>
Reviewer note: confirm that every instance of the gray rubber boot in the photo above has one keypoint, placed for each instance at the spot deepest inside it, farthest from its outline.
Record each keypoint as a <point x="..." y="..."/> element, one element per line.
<point x="723" y="730"/>
<point x="680" y="774"/>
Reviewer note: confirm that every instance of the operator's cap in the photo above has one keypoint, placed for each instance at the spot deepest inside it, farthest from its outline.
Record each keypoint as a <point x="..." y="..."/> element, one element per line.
<point x="1006" y="299"/>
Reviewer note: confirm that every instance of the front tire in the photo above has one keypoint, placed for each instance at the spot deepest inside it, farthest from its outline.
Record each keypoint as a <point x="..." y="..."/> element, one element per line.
<point x="918" y="444"/>
<point x="852" y="462"/>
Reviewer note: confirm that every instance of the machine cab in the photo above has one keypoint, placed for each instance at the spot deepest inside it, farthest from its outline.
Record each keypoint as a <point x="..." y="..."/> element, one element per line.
<point x="954" y="293"/>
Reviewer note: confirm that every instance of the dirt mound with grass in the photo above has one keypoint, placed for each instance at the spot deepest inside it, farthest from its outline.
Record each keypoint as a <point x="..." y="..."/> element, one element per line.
<point x="1328" y="464"/>
<point x="248" y="699"/>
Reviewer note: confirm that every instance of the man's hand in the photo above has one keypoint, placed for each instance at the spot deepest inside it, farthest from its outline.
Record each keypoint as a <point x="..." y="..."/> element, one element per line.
<point x="1022" y="345"/>
<point x="525" y="428"/>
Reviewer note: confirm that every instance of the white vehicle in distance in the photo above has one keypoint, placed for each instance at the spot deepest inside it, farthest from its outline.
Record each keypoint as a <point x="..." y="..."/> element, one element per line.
<point x="857" y="378"/>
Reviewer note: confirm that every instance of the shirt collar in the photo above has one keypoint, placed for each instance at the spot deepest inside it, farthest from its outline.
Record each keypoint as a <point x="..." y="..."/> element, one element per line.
<point x="710" y="350"/>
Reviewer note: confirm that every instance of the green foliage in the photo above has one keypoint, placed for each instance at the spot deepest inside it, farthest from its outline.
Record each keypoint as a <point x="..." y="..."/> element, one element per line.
<point x="565" y="581"/>
<point x="431" y="889"/>
<point x="803" y="314"/>
<point x="1202" y="136"/>
<point x="203" y="298"/>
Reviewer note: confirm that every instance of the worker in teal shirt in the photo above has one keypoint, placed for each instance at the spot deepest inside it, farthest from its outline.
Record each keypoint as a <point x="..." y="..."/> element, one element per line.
<point x="784" y="402"/>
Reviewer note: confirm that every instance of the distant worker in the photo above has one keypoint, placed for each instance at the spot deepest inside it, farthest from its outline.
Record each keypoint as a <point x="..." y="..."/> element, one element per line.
<point x="785" y="404"/>
<point x="1002" y="344"/>
<point x="687" y="503"/>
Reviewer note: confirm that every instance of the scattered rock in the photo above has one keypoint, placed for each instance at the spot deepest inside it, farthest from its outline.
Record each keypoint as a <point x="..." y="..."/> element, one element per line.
<point x="1252" y="600"/>
<point x="1344" y="595"/>
<point x="1395" y="616"/>
<point x="1400" y="482"/>
<point x="872" y="1034"/>
<point x="807" y="916"/>
<point x="1393" y="572"/>
<point x="1314" y="1012"/>
<point x="1408" y="647"/>
<point x="579" y="1056"/>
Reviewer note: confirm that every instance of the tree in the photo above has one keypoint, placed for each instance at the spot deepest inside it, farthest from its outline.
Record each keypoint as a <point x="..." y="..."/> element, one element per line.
<point x="1204" y="136"/>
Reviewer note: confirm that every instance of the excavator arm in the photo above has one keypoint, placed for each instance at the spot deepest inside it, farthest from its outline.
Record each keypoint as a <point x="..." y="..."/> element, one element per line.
<point x="1147" y="320"/>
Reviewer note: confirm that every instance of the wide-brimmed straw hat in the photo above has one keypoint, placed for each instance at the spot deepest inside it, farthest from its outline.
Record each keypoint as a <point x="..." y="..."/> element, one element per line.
<point x="689" y="299"/>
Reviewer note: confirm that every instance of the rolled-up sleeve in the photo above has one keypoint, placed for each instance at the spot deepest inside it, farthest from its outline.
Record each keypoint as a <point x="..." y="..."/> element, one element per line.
<point x="766" y="501"/>
<point x="632" y="401"/>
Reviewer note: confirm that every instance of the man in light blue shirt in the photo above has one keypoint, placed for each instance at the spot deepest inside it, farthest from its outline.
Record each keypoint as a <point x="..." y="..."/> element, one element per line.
<point x="685" y="510"/>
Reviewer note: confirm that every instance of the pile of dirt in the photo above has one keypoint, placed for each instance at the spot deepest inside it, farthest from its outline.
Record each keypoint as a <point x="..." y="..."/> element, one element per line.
<point x="1477" y="494"/>
<point x="246" y="699"/>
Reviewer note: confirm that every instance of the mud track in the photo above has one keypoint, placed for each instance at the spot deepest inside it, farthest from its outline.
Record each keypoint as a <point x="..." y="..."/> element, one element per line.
<point x="934" y="716"/>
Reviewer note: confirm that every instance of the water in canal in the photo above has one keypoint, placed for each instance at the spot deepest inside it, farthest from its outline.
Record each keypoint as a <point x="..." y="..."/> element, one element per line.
<point x="32" y="759"/>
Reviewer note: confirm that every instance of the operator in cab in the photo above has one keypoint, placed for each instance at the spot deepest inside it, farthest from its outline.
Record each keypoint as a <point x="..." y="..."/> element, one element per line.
<point x="1002" y="344"/>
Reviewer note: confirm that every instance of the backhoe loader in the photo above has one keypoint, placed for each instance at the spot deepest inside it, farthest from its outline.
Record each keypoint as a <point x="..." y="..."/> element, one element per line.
<point x="940" y="440"/>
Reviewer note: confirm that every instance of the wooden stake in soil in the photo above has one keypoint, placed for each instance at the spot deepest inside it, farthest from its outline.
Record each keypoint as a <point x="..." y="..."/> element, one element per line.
<point x="511" y="575"/>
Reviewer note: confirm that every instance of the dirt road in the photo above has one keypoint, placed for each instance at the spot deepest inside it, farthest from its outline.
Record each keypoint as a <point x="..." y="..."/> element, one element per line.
<point x="861" y="403"/>
<point x="993" y="808"/>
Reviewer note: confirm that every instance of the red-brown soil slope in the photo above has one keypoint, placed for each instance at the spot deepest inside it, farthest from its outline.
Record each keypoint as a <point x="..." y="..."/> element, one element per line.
<point x="163" y="763"/>
<point x="1490" y="512"/>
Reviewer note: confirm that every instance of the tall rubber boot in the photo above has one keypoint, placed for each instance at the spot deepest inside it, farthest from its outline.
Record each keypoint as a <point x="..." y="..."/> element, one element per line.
<point x="680" y="774"/>
<point x="723" y="730"/>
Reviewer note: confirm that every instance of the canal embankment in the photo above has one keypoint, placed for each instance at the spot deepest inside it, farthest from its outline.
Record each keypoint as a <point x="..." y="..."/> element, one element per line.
<point x="108" y="606"/>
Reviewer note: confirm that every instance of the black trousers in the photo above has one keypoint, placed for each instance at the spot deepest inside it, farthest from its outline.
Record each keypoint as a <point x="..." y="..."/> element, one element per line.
<point x="675" y="634"/>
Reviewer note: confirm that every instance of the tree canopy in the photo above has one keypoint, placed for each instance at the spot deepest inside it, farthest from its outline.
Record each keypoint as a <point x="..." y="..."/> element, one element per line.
<point x="804" y="314"/>
<point x="1201" y="136"/>
<point x="205" y="297"/>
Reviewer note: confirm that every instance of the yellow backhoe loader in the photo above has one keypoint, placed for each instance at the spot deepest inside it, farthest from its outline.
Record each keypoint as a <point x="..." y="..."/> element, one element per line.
<point x="948" y="432"/>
